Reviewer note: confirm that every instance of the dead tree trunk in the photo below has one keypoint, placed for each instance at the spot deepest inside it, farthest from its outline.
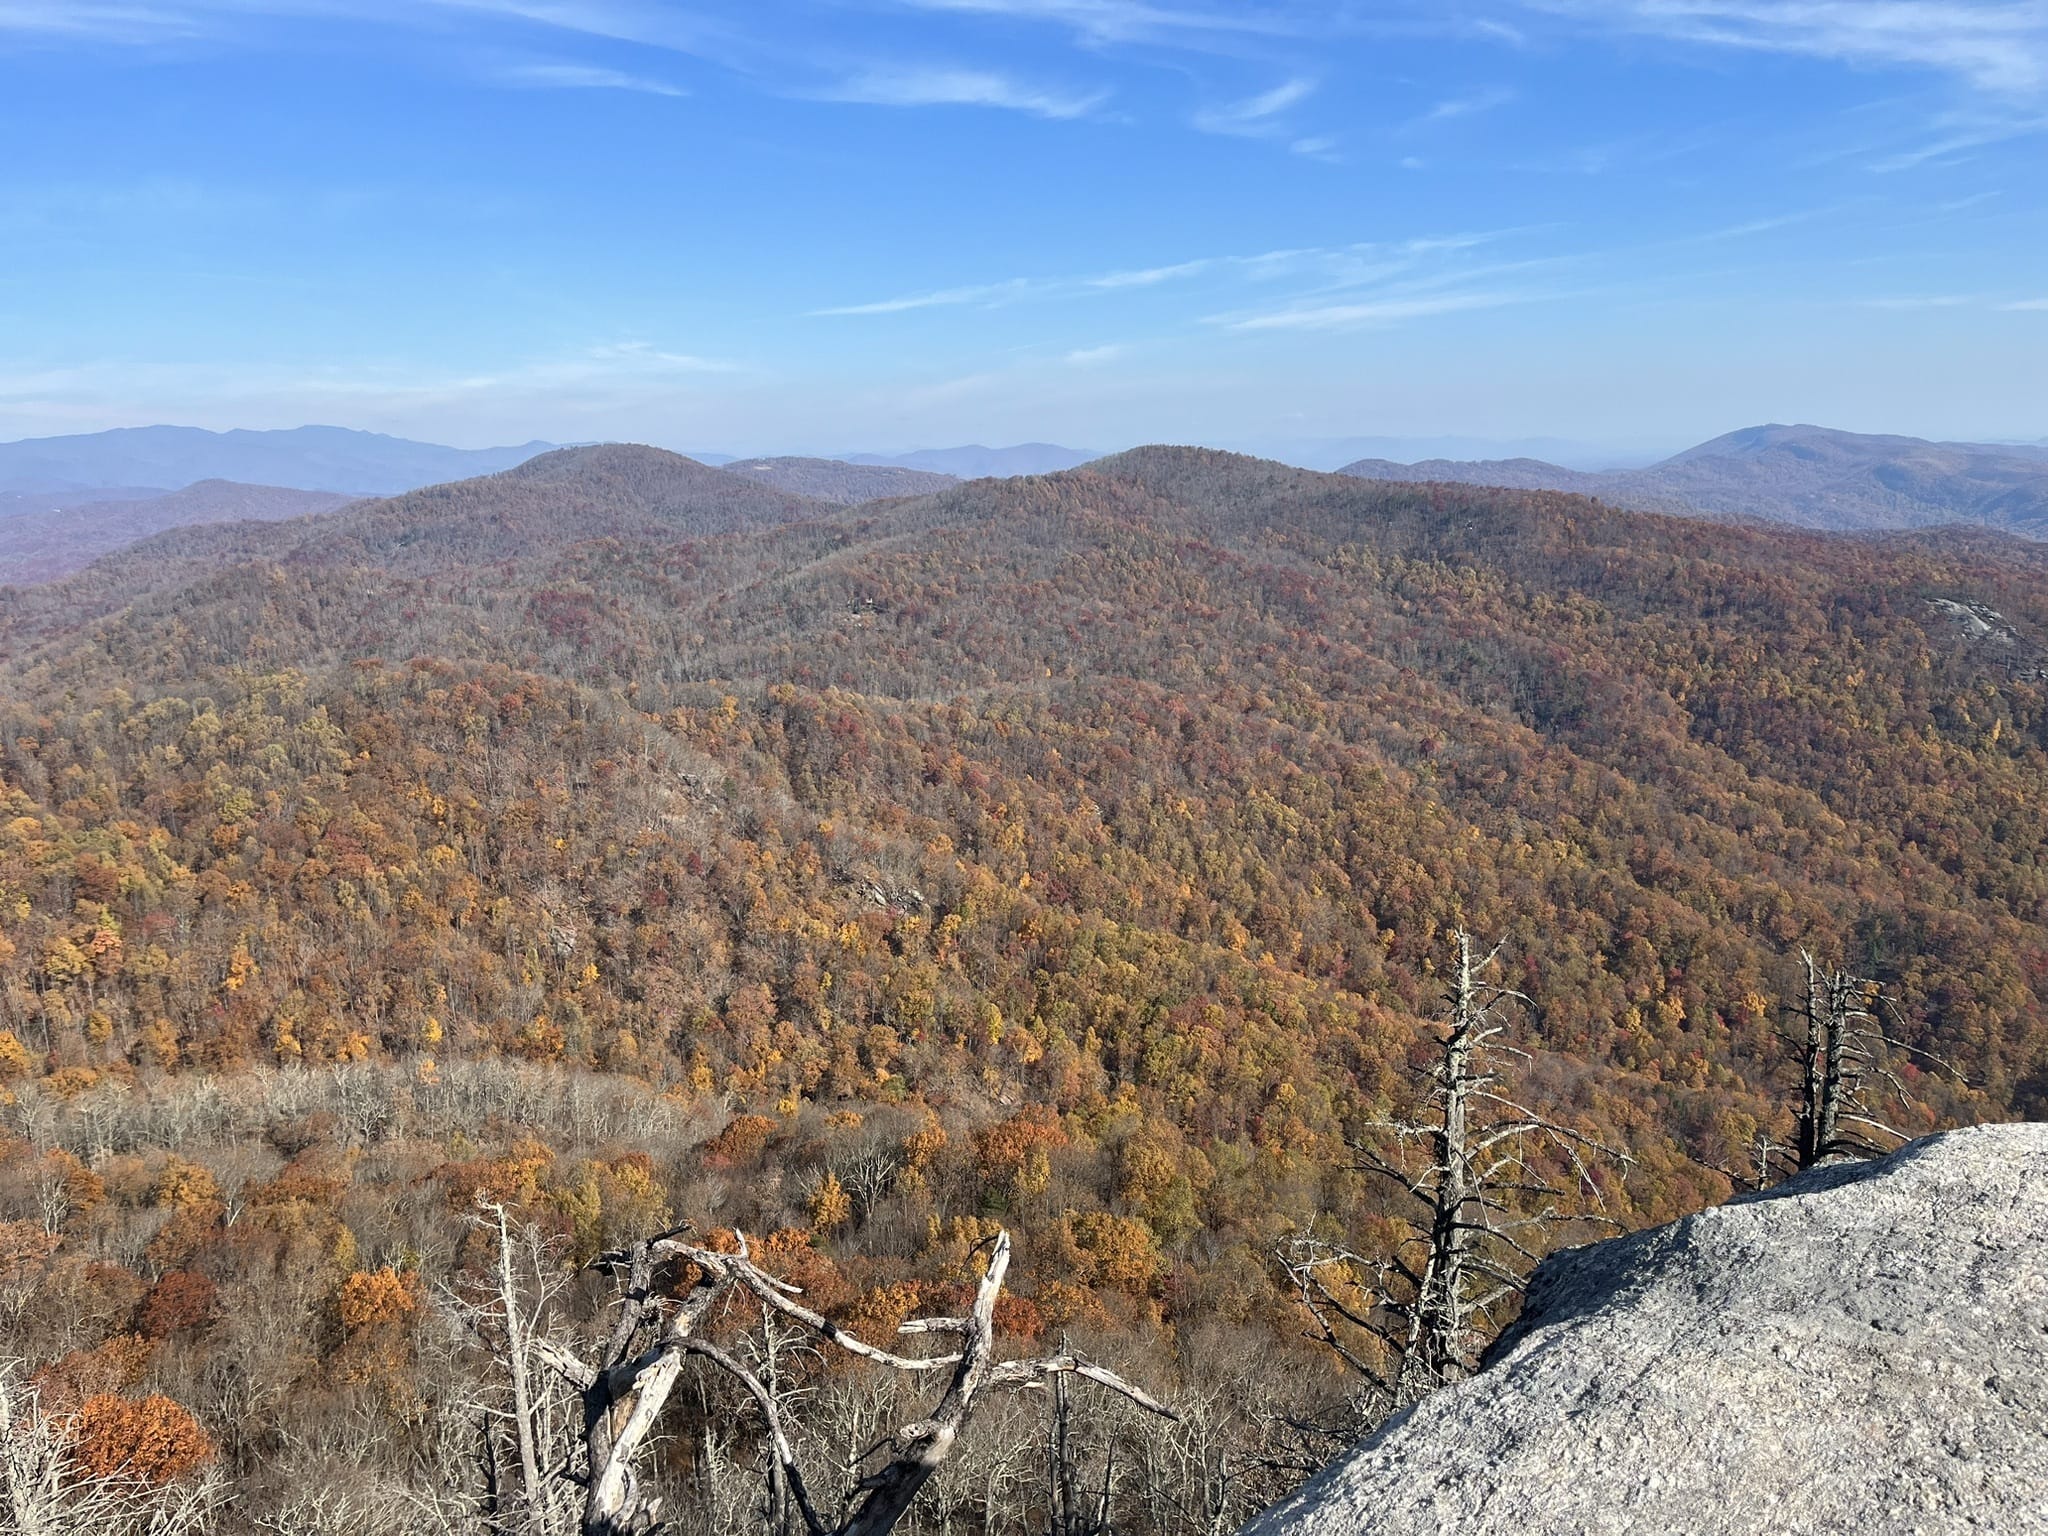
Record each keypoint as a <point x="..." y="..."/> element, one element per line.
<point x="1484" y="1207"/>
<point x="502" y="1312"/>
<point x="1845" y="1052"/>
<point x="653" y="1336"/>
<point x="518" y="1354"/>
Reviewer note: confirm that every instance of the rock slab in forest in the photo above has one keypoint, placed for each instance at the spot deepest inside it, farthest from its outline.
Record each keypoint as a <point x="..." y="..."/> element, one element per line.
<point x="1863" y="1348"/>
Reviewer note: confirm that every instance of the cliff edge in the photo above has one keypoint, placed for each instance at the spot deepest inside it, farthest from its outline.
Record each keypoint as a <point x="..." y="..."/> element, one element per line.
<point x="1863" y="1348"/>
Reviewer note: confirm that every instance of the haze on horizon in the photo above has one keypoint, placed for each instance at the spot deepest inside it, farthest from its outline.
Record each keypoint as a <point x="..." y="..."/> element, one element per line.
<point x="795" y="226"/>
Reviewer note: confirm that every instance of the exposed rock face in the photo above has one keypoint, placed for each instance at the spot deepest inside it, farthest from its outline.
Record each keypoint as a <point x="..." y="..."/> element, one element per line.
<point x="1862" y="1349"/>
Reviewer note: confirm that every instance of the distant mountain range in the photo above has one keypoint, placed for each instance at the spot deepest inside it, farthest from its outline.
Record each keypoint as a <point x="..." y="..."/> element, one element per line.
<point x="975" y="462"/>
<point x="1330" y="453"/>
<point x="65" y="502"/>
<point x="39" y="474"/>
<point x="1812" y="476"/>
<point x="305" y="458"/>
<point x="48" y="542"/>
<point x="571" y="496"/>
<point x="840" y="482"/>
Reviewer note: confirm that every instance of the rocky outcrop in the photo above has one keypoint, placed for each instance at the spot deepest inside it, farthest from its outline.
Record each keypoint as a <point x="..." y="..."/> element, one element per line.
<point x="1861" y="1349"/>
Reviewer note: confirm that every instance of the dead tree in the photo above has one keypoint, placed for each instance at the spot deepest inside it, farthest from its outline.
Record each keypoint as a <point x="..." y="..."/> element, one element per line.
<point x="1844" y="1052"/>
<point x="524" y="1487"/>
<point x="654" y="1334"/>
<point x="1071" y="1509"/>
<point x="1482" y="1208"/>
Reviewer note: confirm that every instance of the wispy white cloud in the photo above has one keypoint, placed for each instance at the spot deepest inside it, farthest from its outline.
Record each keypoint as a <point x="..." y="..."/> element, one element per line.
<point x="1373" y="312"/>
<point x="1468" y="105"/>
<point x="570" y="398"/>
<point x="1495" y="30"/>
<point x="1265" y="116"/>
<point x="944" y="298"/>
<point x="1921" y="301"/>
<point x="1908" y="303"/>
<point x="891" y="86"/>
<point x="596" y="371"/>
<point x="645" y="357"/>
<point x="1095" y="357"/>
<point x="1762" y="226"/>
<point x="1324" y="288"/>
<point x="605" y="373"/>
<point x="1150" y="277"/>
<point x="587" y="77"/>
<point x="645" y="23"/>
<point x="1955" y="135"/>
<point x="1124" y="21"/>
<point x="1328" y="268"/>
<point x="1387" y="284"/>
<point x="87" y="19"/>
<point x="607" y="365"/>
<point x="1995" y="45"/>
<point x="1253" y="116"/>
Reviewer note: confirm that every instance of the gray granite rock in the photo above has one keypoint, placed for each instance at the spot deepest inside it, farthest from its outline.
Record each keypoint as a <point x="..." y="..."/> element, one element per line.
<point x="1861" y="1350"/>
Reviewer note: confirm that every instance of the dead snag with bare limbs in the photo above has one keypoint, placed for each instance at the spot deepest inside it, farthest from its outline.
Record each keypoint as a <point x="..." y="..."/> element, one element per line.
<point x="654" y="1334"/>
<point x="1845" y="1052"/>
<point x="1483" y="1206"/>
<point x="525" y="1490"/>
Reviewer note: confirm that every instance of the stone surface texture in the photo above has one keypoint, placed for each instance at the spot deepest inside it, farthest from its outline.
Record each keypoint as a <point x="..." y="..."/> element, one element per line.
<point x="1861" y="1350"/>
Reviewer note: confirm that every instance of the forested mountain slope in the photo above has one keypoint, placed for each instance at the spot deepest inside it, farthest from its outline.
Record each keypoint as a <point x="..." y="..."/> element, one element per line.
<point x="1145" y="792"/>
<point x="550" y="503"/>
<point x="1812" y="476"/>
<point x="547" y="504"/>
<point x="1507" y="474"/>
<point x="835" y="480"/>
<point x="1225" y="704"/>
<point x="45" y="544"/>
<point x="975" y="462"/>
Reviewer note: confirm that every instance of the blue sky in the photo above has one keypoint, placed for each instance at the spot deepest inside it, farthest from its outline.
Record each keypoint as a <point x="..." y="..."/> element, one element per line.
<point x="817" y="225"/>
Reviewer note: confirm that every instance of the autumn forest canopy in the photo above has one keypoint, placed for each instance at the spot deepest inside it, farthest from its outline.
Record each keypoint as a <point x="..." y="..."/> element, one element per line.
<point x="1075" y="855"/>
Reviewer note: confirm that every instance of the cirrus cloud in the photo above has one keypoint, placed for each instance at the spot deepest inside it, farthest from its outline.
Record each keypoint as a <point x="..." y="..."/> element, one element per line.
<point x="1996" y="45"/>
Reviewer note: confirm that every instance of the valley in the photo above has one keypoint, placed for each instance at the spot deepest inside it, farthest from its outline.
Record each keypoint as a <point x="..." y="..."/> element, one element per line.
<point x="1080" y="849"/>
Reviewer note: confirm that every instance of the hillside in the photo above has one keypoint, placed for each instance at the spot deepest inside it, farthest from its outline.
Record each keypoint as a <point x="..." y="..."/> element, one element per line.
<point x="1074" y="853"/>
<point x="550" y="503"/>
<point x="522" y="518"/>
<point x="1508" y="474"/>
<point x="1863" y="1341"/>
<point x="46" y="544"/>
<point x="1806" y="475"/>
<point x="305" y="458"/>
<point x="975" y="462"/>
<point x="15" y="503"/>
<point x="837" y="481"/>
<point x="1756" y="708"/>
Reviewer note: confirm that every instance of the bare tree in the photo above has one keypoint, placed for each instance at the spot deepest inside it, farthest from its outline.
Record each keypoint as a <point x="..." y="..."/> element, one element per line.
<point x="1845" y="1055"/>
<point x="503" y="1314"/>
<point x="1484" y="1207"/>
<point x="868" y="1176"/>
<point x="653" y="1335"/>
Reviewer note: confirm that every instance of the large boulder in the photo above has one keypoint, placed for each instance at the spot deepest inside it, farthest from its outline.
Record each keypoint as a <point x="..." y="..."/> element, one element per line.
<point x="1862" y="1349"/>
